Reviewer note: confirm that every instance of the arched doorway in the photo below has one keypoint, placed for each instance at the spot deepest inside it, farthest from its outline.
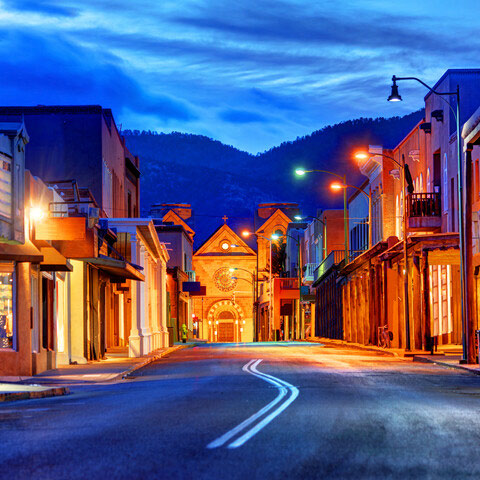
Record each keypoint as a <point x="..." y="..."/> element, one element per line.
<point x="226" y="322"/>
<point x="226" y="327"/>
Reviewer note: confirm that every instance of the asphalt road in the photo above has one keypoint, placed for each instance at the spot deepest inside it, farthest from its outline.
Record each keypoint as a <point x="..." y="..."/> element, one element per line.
<point x="301" y="412"/>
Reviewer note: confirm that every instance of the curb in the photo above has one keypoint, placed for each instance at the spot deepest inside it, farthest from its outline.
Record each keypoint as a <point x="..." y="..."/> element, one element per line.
<point x="153" y="358"/>
<point x="51" y="392"/>
<point x="420" y="359"/>
<point x="358" y="346"/>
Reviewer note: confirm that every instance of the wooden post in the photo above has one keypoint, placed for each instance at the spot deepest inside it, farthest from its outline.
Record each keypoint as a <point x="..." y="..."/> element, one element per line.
<point x="426" y="320"/>
<point x="470" y="328"/>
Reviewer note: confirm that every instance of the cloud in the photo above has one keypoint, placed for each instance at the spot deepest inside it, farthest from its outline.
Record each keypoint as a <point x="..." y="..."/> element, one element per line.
<point x="52" y="70"/>
<point x="242" y="116"/>
<point x="44" y="7"/>
<point x="288" y="22"/>
<point x="204" y="51"/>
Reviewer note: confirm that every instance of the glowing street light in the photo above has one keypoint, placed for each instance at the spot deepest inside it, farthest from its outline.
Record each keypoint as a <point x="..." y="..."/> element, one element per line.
<point x="464" y="217"/>
<point x="337" y="186"/>
<point x="343" y="178"/>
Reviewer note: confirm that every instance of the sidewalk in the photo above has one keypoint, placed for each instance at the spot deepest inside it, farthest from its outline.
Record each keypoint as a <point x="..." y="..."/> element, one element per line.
<point x="450" y="361"/>
<point x="343" y="343"/>
<point x="47" y="384"/>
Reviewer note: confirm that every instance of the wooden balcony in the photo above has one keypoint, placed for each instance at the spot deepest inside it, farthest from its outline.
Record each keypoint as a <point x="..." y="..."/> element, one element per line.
<point x="424" y="211"/>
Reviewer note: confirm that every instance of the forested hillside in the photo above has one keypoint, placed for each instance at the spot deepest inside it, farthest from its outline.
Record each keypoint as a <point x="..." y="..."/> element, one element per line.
<point x="219" y="179"/>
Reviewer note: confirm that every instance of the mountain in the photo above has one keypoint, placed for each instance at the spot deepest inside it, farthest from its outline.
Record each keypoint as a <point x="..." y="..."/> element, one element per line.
<point x="219" y="179"/>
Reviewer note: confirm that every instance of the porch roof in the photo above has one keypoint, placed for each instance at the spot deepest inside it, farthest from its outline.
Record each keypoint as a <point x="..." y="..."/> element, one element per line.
<point x="115" y="268"/>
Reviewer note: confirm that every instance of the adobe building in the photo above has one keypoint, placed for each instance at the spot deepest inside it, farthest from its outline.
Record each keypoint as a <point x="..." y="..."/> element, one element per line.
<point x="226" y="266"/>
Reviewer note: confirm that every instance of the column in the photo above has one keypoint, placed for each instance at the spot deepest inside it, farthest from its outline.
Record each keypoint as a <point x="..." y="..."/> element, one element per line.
<point x="143" y="307"/>
<point x="134" y="349"/>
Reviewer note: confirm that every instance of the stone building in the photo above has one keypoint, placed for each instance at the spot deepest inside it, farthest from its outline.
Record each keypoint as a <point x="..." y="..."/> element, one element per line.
<point x="226" y="266"/>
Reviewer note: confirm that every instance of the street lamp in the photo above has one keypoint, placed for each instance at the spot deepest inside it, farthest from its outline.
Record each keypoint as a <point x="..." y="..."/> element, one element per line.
<point x="403" y="168"/>
<point x="299" y="218"/>
<point x="301" y="172"/>
<point x="466" y="254"/>
<point x="246" y="234"/>
<point x="299" y="275"/>
<point x="336" y="186"/>
<point x="253" y="282"/>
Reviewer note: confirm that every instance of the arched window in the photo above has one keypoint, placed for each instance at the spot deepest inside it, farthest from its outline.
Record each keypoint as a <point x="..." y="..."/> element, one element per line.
<point x="429" y="186"/>
<point x="420" y="183"/>
<point x="397" y="217"/>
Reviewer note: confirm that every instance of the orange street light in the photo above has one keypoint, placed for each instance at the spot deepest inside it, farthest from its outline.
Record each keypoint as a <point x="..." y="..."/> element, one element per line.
<point x="336" y="186"/>
<point x="246" y="233"/>
<point x="361" y="155"/>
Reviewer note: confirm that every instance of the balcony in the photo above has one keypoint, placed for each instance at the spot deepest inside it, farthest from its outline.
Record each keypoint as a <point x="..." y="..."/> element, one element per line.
<point x="424" y="211"/>
<point x="287" y="283"/>
<point x="191" y="275"/>
<point x="309" y="273"/>
<point x="333" y="258"/>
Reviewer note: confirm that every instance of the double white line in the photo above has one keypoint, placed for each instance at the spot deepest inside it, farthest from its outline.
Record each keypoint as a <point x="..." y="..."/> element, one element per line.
<point x="284" y="389"/>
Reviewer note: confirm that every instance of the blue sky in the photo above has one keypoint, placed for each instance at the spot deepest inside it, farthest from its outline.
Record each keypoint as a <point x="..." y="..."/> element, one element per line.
<point x="251" y="73"/>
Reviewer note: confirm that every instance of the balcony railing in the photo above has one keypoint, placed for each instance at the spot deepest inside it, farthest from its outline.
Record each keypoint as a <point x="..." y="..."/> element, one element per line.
<point x="424" y="205"/>
<point x="424" y="211"/>
<point x="288" y="283"/>
<point x="191" y="275"/>
<point x="335" y="257"/>
<point x="309" y="272"/>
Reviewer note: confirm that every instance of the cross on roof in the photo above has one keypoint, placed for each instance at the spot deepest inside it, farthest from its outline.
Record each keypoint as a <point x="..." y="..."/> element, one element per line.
<point x="224" y="218"/>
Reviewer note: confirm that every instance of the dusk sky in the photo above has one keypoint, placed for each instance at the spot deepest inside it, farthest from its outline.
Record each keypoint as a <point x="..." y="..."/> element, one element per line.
<point x="248" y="73"/>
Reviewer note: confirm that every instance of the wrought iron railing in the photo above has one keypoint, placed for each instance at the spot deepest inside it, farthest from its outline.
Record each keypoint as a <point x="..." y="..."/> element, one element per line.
<point x="424" y="205"/>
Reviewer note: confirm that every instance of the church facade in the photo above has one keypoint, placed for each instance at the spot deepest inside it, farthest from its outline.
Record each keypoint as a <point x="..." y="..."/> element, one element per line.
<point x="226" y="266"/>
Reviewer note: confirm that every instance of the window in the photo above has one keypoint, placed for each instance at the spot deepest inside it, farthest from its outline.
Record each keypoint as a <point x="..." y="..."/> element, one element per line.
<point x="429" y="186"/>
<point x="5" y="186"/>
<point x="445" y="184"/>
<point x="477" y="180"/>
<point x="420" y="183"/>
<point x="107" y="189"/>
<point x="7" y="306"/>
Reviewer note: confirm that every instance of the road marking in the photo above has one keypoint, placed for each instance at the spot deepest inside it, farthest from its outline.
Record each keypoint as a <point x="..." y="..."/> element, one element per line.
<point x="284" y="389"/>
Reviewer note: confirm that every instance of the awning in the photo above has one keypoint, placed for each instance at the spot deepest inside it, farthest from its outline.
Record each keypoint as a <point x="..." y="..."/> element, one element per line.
<point x="20" y="253"/>
<point x="115" y="268"/>
<point x="53" y="260"/>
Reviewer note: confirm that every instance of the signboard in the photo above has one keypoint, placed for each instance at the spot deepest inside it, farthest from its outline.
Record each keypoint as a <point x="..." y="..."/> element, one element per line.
<point x="201" y="293"/>
<point x="191" y="287"/>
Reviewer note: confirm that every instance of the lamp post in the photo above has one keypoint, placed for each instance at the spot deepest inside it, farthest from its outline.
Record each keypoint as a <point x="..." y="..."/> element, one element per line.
<point x="246" y="233"/>
<point x="339" y="186"/>
<point x="299" y="275"/>
<point x="406" y="308"/>
<point x="299" y="218"/>
<point x="465" y="250"/>
<point x="253" y="282"/>
<point x="343" y="178"/>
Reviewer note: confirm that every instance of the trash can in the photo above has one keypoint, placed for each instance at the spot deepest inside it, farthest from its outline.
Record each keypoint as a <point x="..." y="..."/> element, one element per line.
<point x="170" y="336"/>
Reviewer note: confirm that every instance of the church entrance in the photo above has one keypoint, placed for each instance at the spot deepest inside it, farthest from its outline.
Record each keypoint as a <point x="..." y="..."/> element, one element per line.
<point x="226" y="327"/>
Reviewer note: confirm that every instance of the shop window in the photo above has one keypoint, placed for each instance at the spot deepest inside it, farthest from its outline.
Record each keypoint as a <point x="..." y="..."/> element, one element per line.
<point x="7" y="307"/>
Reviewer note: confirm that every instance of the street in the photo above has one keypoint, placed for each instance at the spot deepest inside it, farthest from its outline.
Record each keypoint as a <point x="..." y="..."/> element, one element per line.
<point x="228" y="411"/>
